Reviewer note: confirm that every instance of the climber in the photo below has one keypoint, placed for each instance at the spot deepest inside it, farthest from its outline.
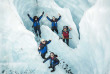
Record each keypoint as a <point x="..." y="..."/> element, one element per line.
<point x="53" y="61"/>
<point x="65" y="34"/>
<point x="54" y="22"/>
<point x="36" y="23"/>
<point x="43" y="48"/>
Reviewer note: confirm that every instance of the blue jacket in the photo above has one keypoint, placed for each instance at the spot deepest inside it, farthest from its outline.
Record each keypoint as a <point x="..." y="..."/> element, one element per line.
<point x="54" y="23"/>
<point x="36" y="23"/>
<point x="43" y="47"/>
<point x="53" y="61"/>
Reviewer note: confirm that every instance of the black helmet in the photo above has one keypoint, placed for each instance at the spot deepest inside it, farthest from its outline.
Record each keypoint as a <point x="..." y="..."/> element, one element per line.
<point x="65" y="27"/>
<point x="34" y="18"/>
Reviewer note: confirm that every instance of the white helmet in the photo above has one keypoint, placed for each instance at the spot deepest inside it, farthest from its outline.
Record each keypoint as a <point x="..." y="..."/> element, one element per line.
<point x="42" y="40"/>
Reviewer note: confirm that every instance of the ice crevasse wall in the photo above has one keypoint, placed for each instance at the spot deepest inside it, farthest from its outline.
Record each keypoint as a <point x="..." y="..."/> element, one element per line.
<point x="90" y="57"/>
<point x="77" y="9"/>
<point x="95" y="38"/>
<point x="17" y="44"/>
<point x="52" y="9"/>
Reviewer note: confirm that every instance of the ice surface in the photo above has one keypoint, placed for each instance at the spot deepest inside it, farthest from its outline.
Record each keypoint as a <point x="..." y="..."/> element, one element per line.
<point x="18" y="48"/>
<point x="52" y="9"/>
<point x="18" y="52"/>
<point x="95" y="38"/>
<point x="77" y="8"/>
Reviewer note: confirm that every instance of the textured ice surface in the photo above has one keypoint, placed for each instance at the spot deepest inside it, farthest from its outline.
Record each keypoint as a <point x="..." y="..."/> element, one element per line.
<point x="95" y="39"/>
<point x="18" y="48"/>
<point x="52" y="9"/>
<point x="76" y="7"/>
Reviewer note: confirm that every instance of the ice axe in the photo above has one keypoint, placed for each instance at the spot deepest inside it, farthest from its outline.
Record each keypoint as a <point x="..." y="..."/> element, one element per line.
<point x="65" y="38"/>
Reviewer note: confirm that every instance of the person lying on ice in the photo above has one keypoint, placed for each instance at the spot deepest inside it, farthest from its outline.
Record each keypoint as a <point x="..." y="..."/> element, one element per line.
<point x="65" y="34"/>
<point x="54" y="22"/>
<point x="36" y="23"/>
<point x="43" y="47"/>
<point x="53" y="61"/>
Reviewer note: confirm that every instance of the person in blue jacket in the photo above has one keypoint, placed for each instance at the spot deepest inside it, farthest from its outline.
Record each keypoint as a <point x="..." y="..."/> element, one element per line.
<point x="53" y="61"/>
<point x="36" y="23"/>
<point x="43" y="47"/>
<point x="54" y="22"/>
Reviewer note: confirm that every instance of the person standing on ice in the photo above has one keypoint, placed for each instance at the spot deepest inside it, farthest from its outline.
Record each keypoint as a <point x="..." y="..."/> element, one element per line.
<point x="36" y="23"/>
<point x="65" y="34"/>
<point x="43" y="47"/>
<point x="54" y="22"/>
<point x="53" y="61"/>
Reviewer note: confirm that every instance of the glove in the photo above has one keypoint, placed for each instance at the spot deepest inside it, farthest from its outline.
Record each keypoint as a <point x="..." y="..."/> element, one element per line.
<point x="43" y="13"/>
<point x="50" y="40"/>
<point x="56" y="55"/>
<point x="59" y="14"/>
<point x="28" y="15"/>
<point x="32" y="26"/>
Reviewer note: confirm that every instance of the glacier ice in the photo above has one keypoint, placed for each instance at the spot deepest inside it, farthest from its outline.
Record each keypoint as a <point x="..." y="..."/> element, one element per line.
<point x="15" y="45"/>
<point x="18" y="52"/>
<point x="52" y="9"/>
<point x="95" y="38"/>
<point x="18" y="48"/>
<point x="77" y="8"/>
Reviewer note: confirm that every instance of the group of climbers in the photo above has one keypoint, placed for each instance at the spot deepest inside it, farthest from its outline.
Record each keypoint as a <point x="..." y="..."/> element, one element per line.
<point x="36" y="26"/>
<point x="43" y="45"/>
<point x="52" y="57"/>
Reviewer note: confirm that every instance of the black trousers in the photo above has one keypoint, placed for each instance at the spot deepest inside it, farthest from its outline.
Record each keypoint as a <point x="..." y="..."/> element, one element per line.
<point x="37" y="28"/>
<point x="53" y="66"/>
<point x="67" y="41"/>
<point x="43" y="55"/>
<point x="54" y="28"/>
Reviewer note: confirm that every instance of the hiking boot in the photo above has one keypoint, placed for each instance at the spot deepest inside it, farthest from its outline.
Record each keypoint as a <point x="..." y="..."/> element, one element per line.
<point x="52" y="70"/>
<point x="50" y="67"/>
<point x="36" y="34"/>
<point x="40" y="36"/>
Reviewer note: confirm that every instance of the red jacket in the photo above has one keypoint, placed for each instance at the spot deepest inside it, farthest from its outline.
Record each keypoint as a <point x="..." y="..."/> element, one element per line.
<point x="65" y="34"/>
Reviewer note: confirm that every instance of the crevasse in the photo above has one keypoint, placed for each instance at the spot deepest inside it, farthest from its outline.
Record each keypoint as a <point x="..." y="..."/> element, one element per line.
<point x="18" y="48"/>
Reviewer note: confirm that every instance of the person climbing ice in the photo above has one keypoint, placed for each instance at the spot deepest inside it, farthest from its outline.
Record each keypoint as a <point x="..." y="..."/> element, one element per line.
<point x="36" y="23"/>
<point x="54" y="22"/>
<point x="65" y="34"/>
<point x="53" y="61"/>
<point x="43" y="47"/>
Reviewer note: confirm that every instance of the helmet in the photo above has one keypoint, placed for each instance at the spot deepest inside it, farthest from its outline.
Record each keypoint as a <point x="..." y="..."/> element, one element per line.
<point x="42" y="40"/>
